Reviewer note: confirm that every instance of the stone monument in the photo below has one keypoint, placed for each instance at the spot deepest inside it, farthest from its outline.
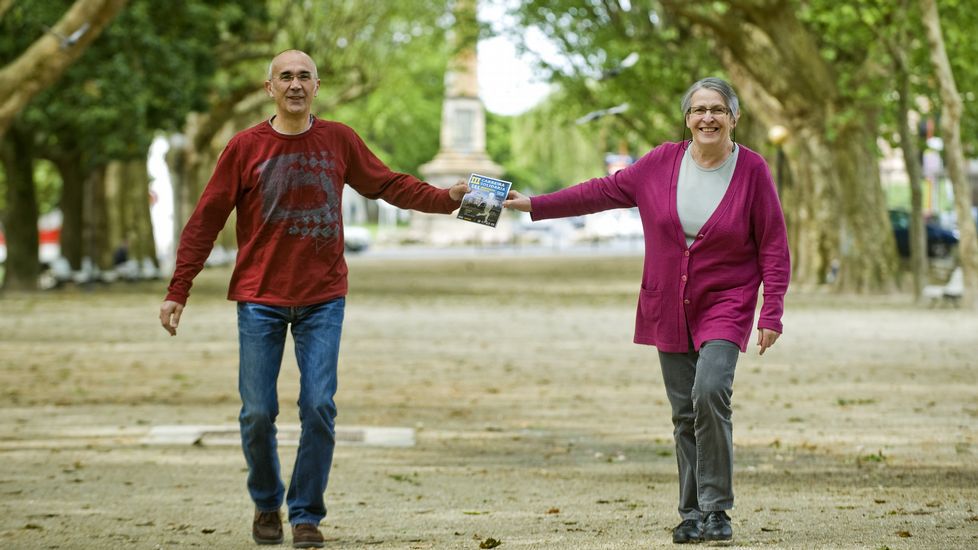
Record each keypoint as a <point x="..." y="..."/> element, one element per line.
<point x="463" y="142"/>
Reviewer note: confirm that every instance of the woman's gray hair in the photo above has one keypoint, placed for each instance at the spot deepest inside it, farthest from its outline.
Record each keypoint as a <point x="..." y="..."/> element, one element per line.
<point x="717" y="85"/>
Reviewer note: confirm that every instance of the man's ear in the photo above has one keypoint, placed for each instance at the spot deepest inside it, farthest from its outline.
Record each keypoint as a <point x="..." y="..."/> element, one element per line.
<point x="268" y="88"/>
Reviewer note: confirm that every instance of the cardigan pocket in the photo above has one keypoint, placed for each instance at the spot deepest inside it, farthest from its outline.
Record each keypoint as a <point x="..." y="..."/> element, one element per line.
<point x="649" y="315"/>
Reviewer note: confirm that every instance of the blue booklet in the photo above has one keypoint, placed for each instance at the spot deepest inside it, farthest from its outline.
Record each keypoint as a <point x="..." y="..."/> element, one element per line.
<point x="484" y="202"/>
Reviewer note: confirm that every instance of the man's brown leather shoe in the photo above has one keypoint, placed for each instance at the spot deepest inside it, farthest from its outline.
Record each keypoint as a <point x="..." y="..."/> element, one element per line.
<point x="267" y="528"/>
<point x="307" y="535"/>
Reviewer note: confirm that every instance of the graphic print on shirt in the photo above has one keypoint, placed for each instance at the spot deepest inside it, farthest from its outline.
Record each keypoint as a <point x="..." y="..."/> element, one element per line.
<point x="300" y="189"/>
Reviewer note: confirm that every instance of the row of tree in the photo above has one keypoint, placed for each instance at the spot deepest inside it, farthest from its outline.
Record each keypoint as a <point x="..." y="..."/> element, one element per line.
<point x="839" y="76"/>
<point x="190" y="70"/>
<point x="95" y="121"/>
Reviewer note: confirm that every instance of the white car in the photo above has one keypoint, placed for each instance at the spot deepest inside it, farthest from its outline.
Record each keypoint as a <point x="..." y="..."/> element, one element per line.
<point x="356" y="238"/>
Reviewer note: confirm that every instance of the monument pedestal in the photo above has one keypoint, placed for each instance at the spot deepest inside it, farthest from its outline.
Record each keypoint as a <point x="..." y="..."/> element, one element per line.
<point x="444" y="171"/>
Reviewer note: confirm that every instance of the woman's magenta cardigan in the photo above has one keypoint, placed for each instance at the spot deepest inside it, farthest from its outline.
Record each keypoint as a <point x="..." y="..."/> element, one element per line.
<point x="710" y="288"/>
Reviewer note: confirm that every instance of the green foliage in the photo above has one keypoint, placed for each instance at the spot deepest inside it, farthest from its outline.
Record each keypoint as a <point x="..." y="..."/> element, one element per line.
<point x="381" y="66"/>
<point x="904" y="30"/>
<point x="23" y="24"/>
<point x="854" y="38"/>
<point x="147" y="70"/>
<point x="959" y="21"/>
<point x="498" y="131"/>
<point x="465" y="27"/>
<point x="873" y="458"/>
<point x="548" y="150"/>
<point x="47" y="182"/>
<point x="542" y="150"/>
<point x="596" y="37"/>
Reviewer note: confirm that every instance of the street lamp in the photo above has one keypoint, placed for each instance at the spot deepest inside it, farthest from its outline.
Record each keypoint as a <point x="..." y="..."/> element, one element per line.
<point x="777" y="135"/>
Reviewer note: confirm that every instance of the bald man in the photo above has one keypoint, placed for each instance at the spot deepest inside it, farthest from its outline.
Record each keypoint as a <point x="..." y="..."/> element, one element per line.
<point x="284" y="178"/>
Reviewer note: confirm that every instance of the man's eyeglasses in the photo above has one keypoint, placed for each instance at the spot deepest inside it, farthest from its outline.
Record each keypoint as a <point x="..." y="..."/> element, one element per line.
<point x="304" y="76"/>
<point x="701" y="111"/>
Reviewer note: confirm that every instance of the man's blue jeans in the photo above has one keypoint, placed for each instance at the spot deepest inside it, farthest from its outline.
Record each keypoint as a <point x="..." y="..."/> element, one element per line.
<point x="261" y="333"/>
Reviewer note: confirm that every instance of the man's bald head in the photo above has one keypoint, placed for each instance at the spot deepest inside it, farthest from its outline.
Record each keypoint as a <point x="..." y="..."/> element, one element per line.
<point x="291" y="55"/>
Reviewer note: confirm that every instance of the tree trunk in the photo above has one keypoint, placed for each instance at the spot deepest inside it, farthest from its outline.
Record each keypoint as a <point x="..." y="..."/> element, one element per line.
<point x="116" y="207"/>
<point x="192" y="157"/>
<point x="816" y="250"/>
<point x="4" y="6"/>
<point x="869" y="262"/>
<point x="72" y="208"/>
<point x="20" y="226"/>
<point x="127" y="193"/>
<point x="911" y="159"/>
<point x="954" y="154"/>
<point x="813" y="227"/>
<point x="140" y="224"/>
<point x="836" y="205"/>
<point x="48" y="57"/>
<point x="96" y="243"/>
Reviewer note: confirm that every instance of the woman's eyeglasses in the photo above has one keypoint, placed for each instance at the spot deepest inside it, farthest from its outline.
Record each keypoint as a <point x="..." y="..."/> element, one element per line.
<point x="701" y="111"/>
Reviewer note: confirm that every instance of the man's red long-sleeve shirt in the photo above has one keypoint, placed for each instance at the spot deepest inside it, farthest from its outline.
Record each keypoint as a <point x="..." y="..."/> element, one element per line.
<point x="287" y="191"/>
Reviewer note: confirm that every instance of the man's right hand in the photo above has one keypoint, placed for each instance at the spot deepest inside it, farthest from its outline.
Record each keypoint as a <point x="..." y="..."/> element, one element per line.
<point x="457" y="191"/>
<point x="170" y="316"/>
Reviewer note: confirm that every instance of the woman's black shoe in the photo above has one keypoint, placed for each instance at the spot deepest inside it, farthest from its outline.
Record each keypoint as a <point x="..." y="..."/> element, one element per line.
<point x="690" y="530"/>
<point x="717" y="526"/>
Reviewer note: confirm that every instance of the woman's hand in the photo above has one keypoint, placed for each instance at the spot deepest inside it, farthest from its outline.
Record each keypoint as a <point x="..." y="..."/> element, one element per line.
<point x="518" y="201"/>
<point x="766" y="338"/>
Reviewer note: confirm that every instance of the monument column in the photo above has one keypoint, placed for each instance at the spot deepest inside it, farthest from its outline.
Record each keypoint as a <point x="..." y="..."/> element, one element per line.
<point x="462" y="148"/>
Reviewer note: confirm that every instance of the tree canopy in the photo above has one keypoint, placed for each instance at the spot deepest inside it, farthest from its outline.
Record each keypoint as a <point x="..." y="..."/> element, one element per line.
<point x="837" y="75"/>
<point x="48" y="51"/>
<point x="817" y="67"/>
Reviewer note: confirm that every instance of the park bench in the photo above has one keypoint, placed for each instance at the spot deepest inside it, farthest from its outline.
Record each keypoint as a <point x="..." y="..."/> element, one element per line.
<point x="949" y="293"/>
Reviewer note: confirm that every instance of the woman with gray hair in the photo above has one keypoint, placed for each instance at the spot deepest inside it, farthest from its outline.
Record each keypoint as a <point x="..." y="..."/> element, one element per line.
<point x="714" y="231"/>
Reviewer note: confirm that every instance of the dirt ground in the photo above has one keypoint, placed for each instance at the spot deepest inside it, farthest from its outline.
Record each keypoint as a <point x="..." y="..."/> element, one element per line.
<point x="538" y="422"/>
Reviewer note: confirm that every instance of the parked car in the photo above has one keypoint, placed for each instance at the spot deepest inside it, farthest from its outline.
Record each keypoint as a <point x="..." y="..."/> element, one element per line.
<point x="356" y="238"/>
<point x="940" y="240"/>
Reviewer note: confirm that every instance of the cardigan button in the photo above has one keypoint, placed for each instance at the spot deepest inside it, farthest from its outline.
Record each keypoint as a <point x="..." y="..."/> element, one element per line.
<point x="686" y="301"/>
<point x="686" y="253"/>
<point x="700" y="236"/>
<point x="683" y="278"/>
